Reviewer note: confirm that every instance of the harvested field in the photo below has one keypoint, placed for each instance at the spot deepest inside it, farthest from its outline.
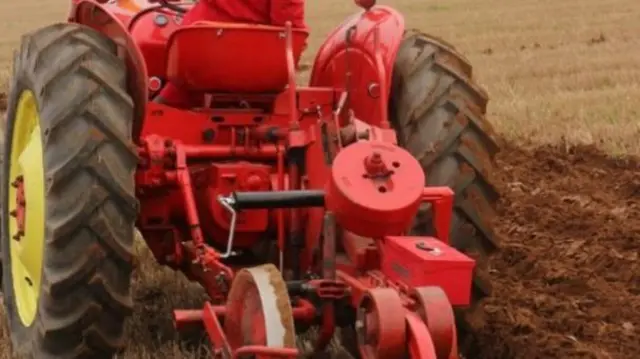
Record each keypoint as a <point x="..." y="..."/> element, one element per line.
<point x="564" y="81"/>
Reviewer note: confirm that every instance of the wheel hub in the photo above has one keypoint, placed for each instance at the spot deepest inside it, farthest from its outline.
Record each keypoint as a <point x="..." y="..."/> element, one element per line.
<point x="26" y="223"/>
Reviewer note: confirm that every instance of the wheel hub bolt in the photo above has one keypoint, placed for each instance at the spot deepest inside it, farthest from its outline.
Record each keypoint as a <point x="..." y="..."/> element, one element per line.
<point x="374" y="165"/>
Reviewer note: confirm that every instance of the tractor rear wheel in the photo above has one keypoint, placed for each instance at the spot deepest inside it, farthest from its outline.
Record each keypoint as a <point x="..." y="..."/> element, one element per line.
<point x="68" y="204"/>
<point x="439" y="115"/>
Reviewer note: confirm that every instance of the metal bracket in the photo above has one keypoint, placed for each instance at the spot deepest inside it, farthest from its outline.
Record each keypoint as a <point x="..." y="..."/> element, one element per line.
<point x="228" y="202"/>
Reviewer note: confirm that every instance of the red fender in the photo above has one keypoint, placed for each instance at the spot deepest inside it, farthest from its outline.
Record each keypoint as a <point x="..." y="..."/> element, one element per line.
<point x="331" y="66"/>
<point x="94" y="15"/>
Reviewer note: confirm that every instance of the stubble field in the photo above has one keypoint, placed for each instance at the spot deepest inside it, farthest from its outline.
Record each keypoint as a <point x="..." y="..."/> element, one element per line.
<point x="564" y="81"/>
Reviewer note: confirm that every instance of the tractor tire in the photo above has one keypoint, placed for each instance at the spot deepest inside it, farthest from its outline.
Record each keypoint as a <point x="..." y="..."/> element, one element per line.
<point x="85" y="117"/>
<point x="439" y="115"/>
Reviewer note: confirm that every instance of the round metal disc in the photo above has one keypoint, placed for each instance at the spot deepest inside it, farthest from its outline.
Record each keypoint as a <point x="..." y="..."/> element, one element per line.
<point x="419" y="341"/>
<point x="381" y="326"/>
<point x="374" y="198"/>
<point x="259" y="310"/>
<point x="436" y="311"/>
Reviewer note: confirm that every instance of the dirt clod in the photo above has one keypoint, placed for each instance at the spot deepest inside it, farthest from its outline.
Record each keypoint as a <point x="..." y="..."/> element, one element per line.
<point x="3" y="101"/>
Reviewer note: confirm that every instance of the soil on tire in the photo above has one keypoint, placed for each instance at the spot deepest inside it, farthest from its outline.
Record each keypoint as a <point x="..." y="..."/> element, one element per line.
<point x="439" y="114"/>
<point x="86" y="118"/>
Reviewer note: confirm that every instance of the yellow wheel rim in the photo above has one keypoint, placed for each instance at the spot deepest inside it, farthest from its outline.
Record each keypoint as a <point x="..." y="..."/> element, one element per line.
<point x="26" y="207"/>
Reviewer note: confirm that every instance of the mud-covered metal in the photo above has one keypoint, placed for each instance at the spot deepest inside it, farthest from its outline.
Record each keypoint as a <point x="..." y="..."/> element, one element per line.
<point x="258" y="310"/>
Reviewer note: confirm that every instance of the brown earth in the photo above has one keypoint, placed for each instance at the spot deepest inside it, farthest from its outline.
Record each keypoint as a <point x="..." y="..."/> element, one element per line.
<point x="567" y="282"/>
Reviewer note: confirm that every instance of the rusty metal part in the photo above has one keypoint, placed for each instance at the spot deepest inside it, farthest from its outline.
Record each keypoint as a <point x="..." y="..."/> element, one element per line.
<point x="21" y="207"/>
<point x="328" y="325"/>
<point x="258" y="310"/>
<point x="380" y="325"/>
<point x="436" y="311"/>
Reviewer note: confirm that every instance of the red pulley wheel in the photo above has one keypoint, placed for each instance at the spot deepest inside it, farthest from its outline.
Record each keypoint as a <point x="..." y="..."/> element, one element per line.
<point x="375" y="188"/>
<point x="419" y="342"/>
<point x="436" y="311"/>
<point x="380" y="325"/>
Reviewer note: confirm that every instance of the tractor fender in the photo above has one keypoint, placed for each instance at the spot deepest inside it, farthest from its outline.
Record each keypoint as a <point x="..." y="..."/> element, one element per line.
<point x="94" y="15"/>
<point x="337" y="57"/>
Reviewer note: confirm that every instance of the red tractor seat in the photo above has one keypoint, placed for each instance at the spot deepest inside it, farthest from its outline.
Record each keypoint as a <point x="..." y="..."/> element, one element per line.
<point x="231" y="57"/>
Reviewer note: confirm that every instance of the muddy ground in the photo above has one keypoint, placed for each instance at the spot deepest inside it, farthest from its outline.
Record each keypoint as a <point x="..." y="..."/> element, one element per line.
<point x="567" y="281"/>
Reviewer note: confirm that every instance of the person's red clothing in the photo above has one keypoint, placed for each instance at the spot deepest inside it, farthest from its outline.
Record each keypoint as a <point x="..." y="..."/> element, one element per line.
<point x="264" y="12"/>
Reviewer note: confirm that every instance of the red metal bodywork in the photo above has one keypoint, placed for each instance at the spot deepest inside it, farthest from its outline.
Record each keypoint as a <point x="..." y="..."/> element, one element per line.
<point x="259" y="132"/>
<point x="231" y="68"/>
<point x="370" y="41"/>
<point x="151" y="38"/>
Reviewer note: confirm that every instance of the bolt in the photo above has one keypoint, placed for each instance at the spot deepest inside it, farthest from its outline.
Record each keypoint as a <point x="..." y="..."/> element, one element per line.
<point x="253" y="182"/>
<point x="161" y="20"/>
<point x="17" y="182"/>
<point x="208" y="135"/>
<point x="374" y="90"/>
<point x="374" y="165"/>
<point x="432" y="250"/>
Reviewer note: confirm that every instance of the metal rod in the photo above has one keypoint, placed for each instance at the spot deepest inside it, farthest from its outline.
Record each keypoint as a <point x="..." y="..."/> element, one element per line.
<point x="277" y="199"/>
<point x="226" y="203"/>
<point x="328" y="324"/>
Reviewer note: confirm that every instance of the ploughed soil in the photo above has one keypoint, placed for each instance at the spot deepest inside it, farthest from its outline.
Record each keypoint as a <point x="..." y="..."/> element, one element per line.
<point x="567" y="281"/>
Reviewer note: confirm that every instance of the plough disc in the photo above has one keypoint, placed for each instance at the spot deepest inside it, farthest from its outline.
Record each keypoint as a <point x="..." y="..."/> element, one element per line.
<point x="259" y="310"/>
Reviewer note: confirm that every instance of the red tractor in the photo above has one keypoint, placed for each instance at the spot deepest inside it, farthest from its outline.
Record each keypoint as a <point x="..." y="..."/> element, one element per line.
<point x="351" y="207"/>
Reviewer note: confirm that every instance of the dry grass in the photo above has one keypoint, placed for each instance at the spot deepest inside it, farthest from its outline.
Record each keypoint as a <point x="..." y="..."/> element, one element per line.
<point x="557" y="70"/>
